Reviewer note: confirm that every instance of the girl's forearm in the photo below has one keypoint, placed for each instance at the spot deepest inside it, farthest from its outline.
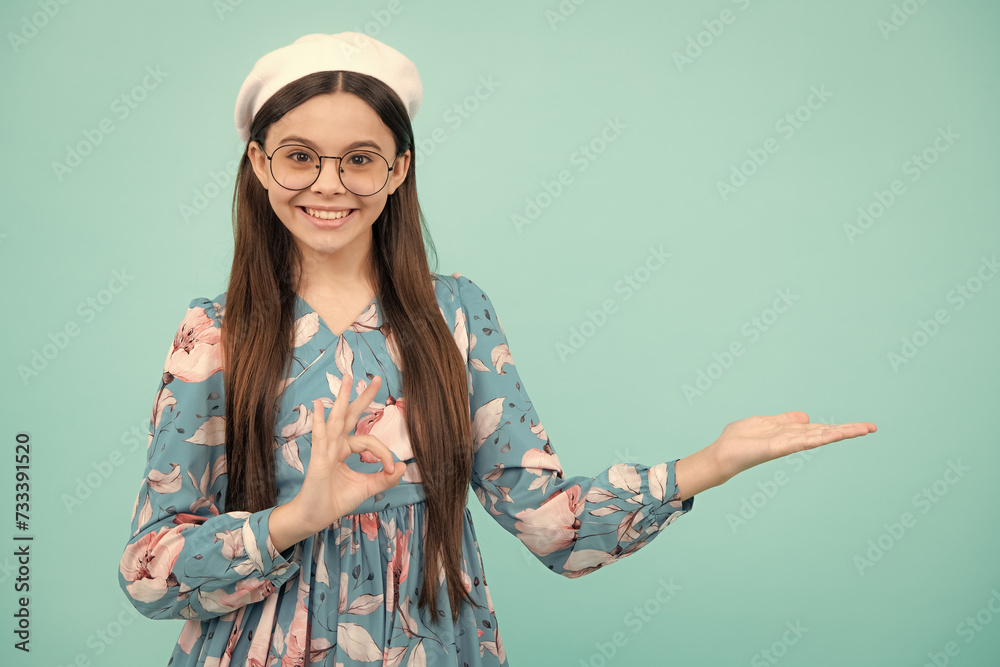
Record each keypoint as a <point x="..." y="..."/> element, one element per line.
<point x="286" y="527"/>
<point x="698" y="472"/>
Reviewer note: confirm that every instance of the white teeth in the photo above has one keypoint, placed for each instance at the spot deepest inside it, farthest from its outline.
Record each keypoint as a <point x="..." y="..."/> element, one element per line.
<point x="327" y="215"/>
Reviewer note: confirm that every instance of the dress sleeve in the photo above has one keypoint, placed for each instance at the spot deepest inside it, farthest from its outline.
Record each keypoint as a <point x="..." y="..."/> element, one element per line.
<point x="186" y="557"/>
<point x="573" y="525"/>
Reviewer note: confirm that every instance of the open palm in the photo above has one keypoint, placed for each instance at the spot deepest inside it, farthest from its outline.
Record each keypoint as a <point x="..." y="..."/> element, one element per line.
<point x="755" y="440"/>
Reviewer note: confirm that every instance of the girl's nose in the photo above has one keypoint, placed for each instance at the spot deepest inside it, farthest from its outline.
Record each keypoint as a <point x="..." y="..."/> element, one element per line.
<point x="329" y="181"/>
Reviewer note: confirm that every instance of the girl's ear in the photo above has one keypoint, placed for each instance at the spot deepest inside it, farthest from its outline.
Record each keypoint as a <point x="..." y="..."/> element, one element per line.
<point x="399" y="171"/>
<point x="258" y="160"/>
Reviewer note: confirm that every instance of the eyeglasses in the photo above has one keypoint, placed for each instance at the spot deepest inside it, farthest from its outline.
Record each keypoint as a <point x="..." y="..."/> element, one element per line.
<point x="296" y="167"/>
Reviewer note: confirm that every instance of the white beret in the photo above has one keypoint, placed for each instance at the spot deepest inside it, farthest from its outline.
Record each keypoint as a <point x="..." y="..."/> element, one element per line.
<point x="350" y="51"/>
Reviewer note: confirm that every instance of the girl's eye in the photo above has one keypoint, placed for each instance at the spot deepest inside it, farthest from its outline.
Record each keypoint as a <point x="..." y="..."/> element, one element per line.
<point x="297" y="156"/>
<point x="360" y="159"/>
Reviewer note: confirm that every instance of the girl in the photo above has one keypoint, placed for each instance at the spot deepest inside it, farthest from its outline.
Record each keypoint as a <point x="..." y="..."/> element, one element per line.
<point x="279" y="532"/>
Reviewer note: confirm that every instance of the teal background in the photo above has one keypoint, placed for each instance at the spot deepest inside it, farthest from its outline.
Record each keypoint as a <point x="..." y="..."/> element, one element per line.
<point x="620" y="396"/>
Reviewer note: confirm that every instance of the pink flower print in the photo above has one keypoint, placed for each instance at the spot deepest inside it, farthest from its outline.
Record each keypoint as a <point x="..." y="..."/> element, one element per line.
<point x="189" y="635"/>
<point x="388" y="424"/>
<point x="540" y="460"/>
<point x="296" y="638"/>
<point x="466" y="581"/>
<point x="303" y="423"/>
<point x="398" y="568"/>
<point x="196" y="350"/>
<point x="290" y="449"/>
<point x="585" y="561"/>
<point x="164" y="399"/>
<point x="234" y="635"/>
<point x="553" y="525"/>
<point x="182" y="518"/>
<point x="489" y="599"/>
<point x="368" y="522"/>
<point x="149" y="564"/>
<point x="247" y="592"/>
<point x="232" y="543"/>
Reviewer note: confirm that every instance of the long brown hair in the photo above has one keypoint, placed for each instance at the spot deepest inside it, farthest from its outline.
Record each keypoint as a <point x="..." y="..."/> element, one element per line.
<point x="258" y="321"/>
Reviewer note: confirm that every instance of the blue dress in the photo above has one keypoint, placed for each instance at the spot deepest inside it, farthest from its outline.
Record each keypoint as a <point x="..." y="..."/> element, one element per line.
<point x="348" y="594"/>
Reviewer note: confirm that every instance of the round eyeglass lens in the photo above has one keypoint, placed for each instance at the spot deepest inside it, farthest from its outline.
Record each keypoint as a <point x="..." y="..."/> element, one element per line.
<point x="297" y="167"/>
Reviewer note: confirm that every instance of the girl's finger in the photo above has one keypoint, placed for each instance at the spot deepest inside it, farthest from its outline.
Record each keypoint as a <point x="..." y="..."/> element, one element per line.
<point x="825" y="434"/>
<point x="341" y="405"/>
<point x="854" y="429"/>
<point x="360" y="443"/>
<point x="363" y="400"/>
<point x="318" y="423"/>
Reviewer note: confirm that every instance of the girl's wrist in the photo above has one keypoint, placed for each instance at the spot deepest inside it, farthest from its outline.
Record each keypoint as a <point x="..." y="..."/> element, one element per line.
<point x="700" y="471"/>
<point x="287" y="525"/>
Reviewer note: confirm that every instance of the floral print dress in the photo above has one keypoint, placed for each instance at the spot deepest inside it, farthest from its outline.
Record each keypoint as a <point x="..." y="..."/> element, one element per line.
<point x="348" y="594"/>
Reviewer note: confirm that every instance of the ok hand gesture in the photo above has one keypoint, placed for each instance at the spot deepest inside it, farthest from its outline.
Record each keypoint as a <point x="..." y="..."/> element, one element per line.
<point x="331" y="488"/>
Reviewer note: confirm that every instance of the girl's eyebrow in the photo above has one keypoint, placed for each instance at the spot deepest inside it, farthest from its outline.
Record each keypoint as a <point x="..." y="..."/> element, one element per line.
<point x="350" y="147"/>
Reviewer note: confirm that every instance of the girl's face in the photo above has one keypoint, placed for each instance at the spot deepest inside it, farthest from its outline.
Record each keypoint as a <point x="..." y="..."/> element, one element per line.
<point x="330" y="124"/>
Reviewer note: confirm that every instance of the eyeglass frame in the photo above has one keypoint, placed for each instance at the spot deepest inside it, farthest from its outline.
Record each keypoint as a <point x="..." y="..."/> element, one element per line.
<point x="319" y="169"/>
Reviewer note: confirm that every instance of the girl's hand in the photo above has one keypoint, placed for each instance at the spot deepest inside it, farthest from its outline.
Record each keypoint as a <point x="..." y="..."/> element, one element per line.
<point x="331" y="488"/>
<point x="755" y="440"/>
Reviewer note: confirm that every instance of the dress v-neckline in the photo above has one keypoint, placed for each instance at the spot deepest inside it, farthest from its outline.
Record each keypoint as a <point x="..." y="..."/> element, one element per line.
<point x="307" y="308"/>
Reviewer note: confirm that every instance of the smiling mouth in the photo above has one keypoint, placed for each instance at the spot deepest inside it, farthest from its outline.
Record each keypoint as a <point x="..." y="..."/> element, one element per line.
<point x="327" y="215"/>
